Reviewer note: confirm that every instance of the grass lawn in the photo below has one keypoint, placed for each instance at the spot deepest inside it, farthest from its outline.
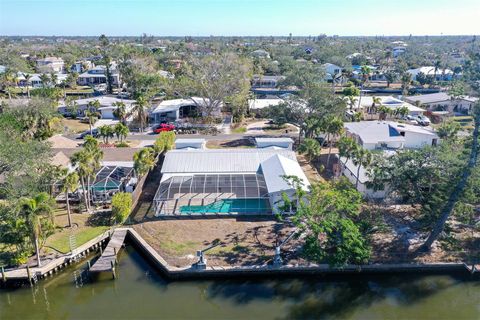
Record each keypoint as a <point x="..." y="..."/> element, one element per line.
<point x="60" y="240"/>
<point x="239" y="130"/>
<point x="75" y="125"/>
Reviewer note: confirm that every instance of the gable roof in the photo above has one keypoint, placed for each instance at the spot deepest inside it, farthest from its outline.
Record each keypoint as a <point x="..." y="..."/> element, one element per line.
<point x="436" y="97"/>
<point x="276" y="167"/>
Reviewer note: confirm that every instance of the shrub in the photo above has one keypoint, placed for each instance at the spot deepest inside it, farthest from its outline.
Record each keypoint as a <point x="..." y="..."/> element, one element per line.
<point x="121" y="206"/>
<point x="122" y="145"/>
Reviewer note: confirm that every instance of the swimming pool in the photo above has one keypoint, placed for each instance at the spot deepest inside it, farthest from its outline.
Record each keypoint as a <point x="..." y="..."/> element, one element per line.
<point x="230" y="206"/>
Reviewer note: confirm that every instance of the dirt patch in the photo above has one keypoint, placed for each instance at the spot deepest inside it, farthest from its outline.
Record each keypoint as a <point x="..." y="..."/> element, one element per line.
<point x="241" y="241"/>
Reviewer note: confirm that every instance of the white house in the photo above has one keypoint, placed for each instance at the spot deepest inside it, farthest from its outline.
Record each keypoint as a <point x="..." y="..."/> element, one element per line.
<point x="366" y="102"/>
<point x="35" y="80"/>
<point x="50" y="64"/>
<point x="97" y="75"/>
<point x="348" y="169"/>
<point x="106" y="108"/>
<point x="178" y="109"/>
<point x="260" y="53"/>
<point x="373" y="135"/>
<point x="439" y="74"/>
<point x="442" y="101"/>
<point x="226" y="181"/>
<point x="258" y="104"/>
<point x="262" y="81"/>
<point x="331" y="70"/>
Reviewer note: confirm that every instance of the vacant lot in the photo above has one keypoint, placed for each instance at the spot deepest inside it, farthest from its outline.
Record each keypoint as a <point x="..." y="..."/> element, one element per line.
<point x="241" y="241"/>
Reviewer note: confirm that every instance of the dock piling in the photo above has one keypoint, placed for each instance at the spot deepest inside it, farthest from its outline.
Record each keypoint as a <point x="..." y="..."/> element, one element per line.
<point x="29" y="275"/>
<point x="4" y="277"/>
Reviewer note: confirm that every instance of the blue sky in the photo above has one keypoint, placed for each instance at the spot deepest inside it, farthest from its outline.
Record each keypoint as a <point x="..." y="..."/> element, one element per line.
<point x="239" y="17"/>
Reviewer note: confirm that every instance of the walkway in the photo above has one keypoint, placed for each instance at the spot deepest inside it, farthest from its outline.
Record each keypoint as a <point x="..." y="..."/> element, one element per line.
<point x="109" y="256"/>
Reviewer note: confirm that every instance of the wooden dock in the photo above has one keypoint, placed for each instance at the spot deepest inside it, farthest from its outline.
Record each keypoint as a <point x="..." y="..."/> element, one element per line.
<point x="108" y="259"/>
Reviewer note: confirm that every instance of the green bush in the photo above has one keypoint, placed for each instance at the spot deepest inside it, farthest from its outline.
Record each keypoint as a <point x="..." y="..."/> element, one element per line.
<point x="122" y="145"/>
<point x="121" y="206"/>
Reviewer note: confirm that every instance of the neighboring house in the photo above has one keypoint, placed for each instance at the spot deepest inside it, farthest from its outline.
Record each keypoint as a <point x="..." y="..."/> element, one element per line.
<point x="179" y="109"/>
<point x="439" y="75"/>
<point x="398" y="51"/>
<point x="106" y="108"/>
<point x="386" y="136"/>
<point x="258" y="104"/>
<point x="81" y="66"/>
<point x="442" y="101"/>
<point x="50" y="64"/>
<point x="366" y="102"/>
<point x="275" y="143"/>
<point x="260" y="53"/>
<point x="261" y="81"/>
<point x="331" y="70"/>
<point x="97" y="75"/>
<point x="372" y="135"/>
<point x="35" y="80"/>
<point x="226" y="181"/>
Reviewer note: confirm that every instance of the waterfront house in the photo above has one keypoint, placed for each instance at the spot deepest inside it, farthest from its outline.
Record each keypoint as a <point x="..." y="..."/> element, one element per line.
<point x="442" y="101"/>
<point x="262" y="81"/>
<point x="226" y="181"/>
<point x="439" y="74"/>
<point x="50" y="64"/>
<point x="365" y="104"/>
<point x="97" y="75"/>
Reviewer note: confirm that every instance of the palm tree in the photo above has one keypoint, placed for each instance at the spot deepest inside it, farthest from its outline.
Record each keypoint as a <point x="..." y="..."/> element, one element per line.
<point x="34" y="210"/>
<point x="143" y="160"/>
<point x="402" y="112"/>
<point x="70" y="184"/>
<point x="383" y="111"/>
<point x="121" y="131"/>
<point x="352" y="100"/>
<point x="333" y="128"/>
<point x="140" y="110"/>
<point x="347" y="147"/>
<point x="87" y="162"/>
<point x="365" y="71"/>
<point x="406" y="80"/>
<point x="121" y="111"/>
<point x="53" y="79"/>
<point x="44" y="79"/>
<point x="27" y="77"/>
<point x="106" y="132"/>
<point x="311" y="148"/>
<point x="373" y="108"/>
<point x="361" y="157"/>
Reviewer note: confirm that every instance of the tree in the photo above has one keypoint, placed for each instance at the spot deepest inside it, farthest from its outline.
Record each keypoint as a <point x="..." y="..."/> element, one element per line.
<point x="121" y="206"/>
<point x="70" y="184"/>
<point x="383" y="111"/>
<point x="121" y="131"/>
<point x="106" y="132"/>
<point x="333" y="127"/>
<point x="347" y="147"/>
<point x="402" y="112"/>
<point x="45" y="80"/>
<point x="406" y="79"/>
<point x="87" y="162"/>
<point x="38" y="214"/>
<point x="143" y="161"/>
<point x="361" y="157"/>
<point x="391" y="77"/>
<point x="449" y="130"/>
<point x="92" y="113"/>
<point x="104" y="49"/>
<point x="351" y="100"/>
<point x="120" y="112"/>
<point x="27" y="77"/>
<point x="164" y="142"/>
<point x="140" y="110"/>
<point x="327" y="219"/>
<point x="215" y="79"/>
<point x="351" y="91"/>
<point x="311" y="148"/>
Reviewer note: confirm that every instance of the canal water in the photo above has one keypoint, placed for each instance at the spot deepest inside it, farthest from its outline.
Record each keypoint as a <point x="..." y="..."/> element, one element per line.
<point x="141" y="293"/>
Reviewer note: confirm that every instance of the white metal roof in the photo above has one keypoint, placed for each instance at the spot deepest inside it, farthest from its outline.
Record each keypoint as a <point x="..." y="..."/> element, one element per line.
<point x="219" y="160"/>
<point x="382" y="131"/>
<point x="276" y="168"/>
<point x="263" y="103"/>
<point x="176" y="104"/>
<point x="274" y="140"/>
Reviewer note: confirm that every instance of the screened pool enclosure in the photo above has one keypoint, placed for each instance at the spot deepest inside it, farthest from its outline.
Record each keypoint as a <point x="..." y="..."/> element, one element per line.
<point x="212" y="194"/>
<point x="108" y="181"/>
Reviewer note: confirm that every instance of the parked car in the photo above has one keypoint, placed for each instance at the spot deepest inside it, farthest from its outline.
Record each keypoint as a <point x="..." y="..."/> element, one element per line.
<point x="422" y="120"/>
<point x="94" y="133"/>
<point x="410" y="119"/>
<point x="164" y="127"/>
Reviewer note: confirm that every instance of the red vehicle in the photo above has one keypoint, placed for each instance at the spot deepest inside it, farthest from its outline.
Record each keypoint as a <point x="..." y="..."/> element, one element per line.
<point x="164" y="127"/>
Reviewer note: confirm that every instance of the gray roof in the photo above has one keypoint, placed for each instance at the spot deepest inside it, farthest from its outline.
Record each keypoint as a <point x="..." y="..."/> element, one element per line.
<point x="374" y="131"/>
<point x="219" y="160"/>
<point x="435" y="97"/>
